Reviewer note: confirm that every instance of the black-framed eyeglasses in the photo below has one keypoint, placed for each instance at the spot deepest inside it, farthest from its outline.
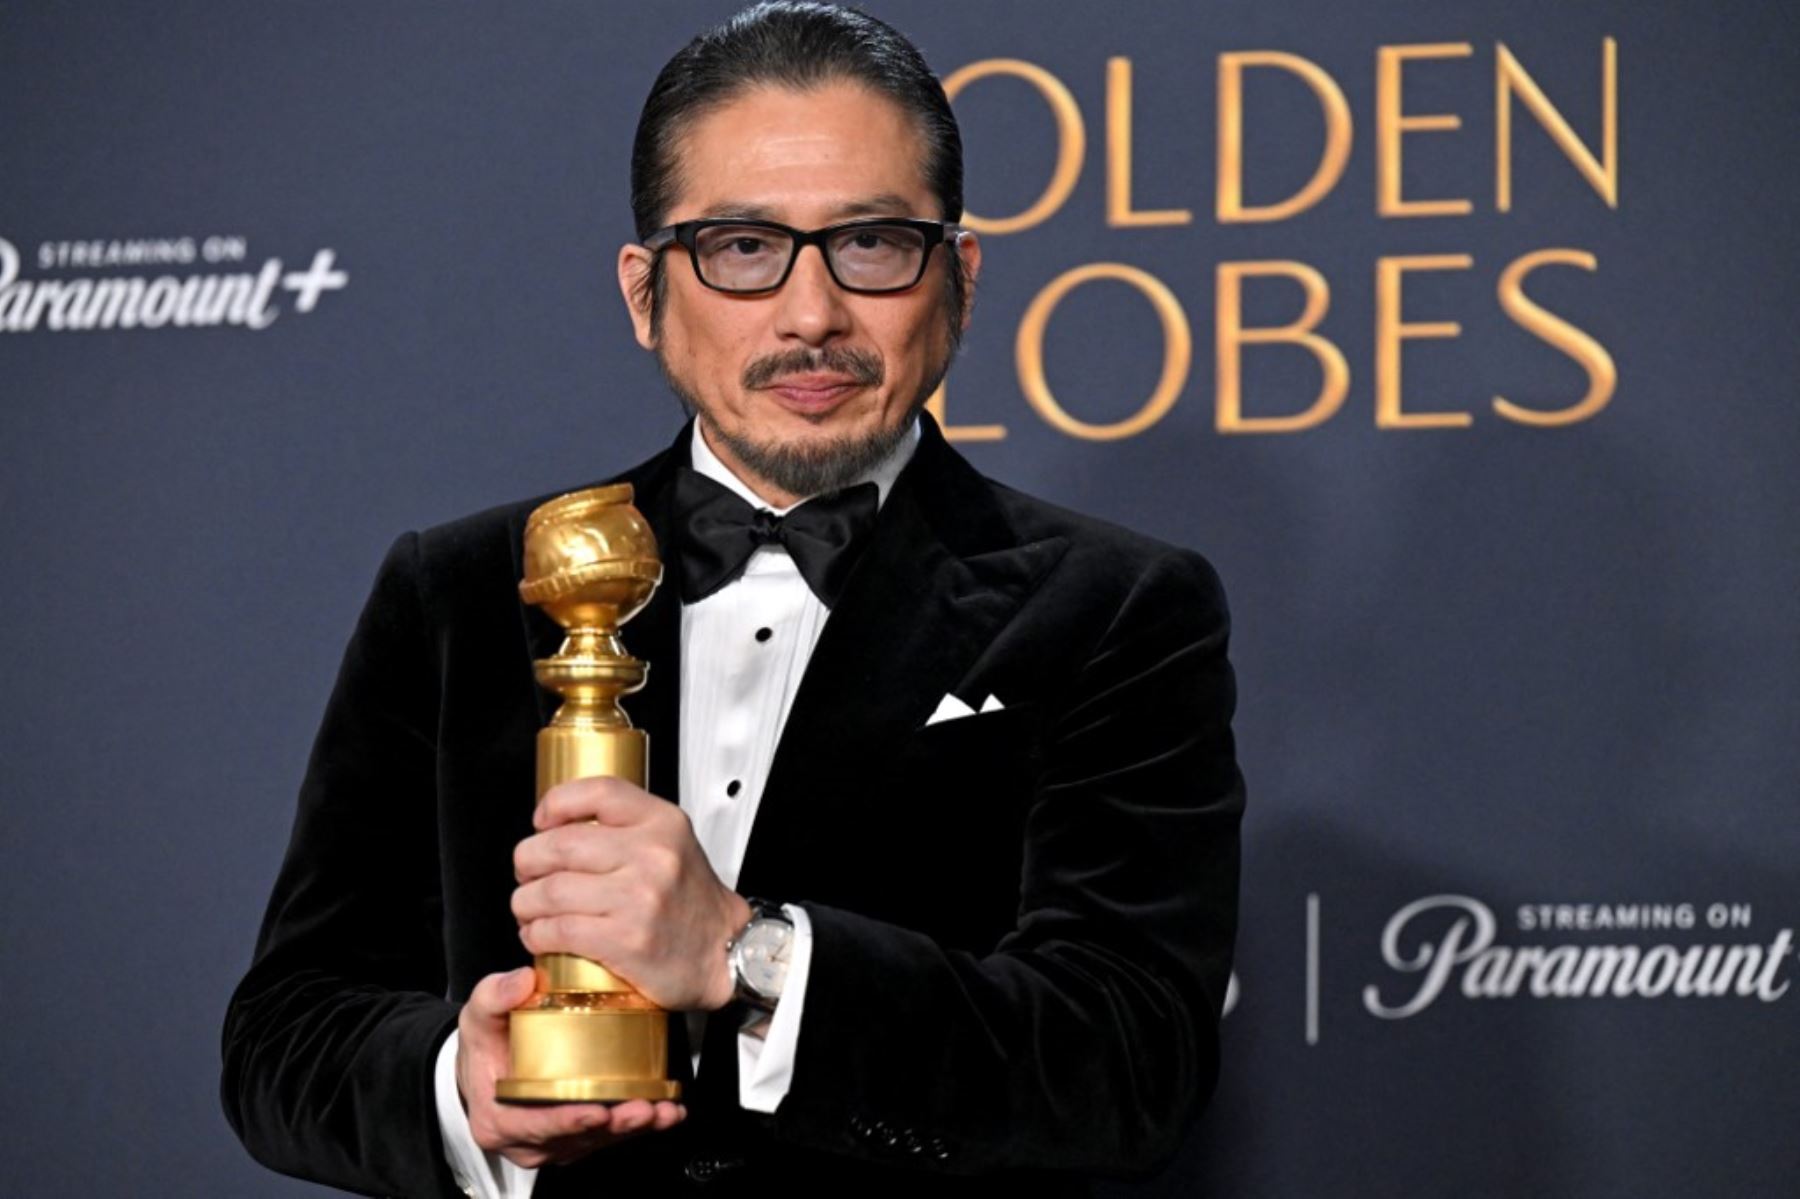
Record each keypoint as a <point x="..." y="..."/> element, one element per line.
<point x="873" y="255"/>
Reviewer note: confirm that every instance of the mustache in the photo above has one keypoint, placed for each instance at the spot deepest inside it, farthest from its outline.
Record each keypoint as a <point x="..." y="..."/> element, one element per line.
<point x="864" y="367"/>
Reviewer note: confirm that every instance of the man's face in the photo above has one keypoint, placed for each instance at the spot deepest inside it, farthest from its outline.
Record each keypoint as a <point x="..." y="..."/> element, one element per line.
<point x="800" y="389"/>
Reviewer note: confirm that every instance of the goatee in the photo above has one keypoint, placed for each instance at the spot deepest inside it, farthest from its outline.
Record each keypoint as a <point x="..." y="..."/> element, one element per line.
<point x="815" y="468"/>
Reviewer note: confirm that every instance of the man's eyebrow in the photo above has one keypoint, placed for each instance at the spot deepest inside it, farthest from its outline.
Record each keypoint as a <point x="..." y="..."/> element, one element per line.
<point x="882" y="204"/>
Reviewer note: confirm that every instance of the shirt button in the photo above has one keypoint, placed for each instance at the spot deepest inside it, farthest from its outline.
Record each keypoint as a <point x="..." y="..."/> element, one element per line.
<point x="733" y="787"/>
<point x="763" y="634"/>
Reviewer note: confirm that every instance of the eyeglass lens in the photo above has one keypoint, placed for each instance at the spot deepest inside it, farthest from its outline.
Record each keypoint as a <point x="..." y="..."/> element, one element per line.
<point x="749" y="258"/>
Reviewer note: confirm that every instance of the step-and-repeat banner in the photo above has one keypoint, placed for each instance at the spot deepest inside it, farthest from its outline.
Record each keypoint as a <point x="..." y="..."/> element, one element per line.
<point x="1459" y="336"/>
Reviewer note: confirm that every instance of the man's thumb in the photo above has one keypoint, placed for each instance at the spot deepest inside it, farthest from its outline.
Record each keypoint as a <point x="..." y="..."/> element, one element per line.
<point x="498" y="994"/>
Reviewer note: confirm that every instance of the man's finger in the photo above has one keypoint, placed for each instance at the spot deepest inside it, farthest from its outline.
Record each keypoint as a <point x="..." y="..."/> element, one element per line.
<point x="664" y="1116"/>
<point x="632" y="1116"/>
<point x="595" y="937"/>
<point x="607" y="800"/>
<point x="566" y="892"/>
<point x="542" y="1126"/>
<point x="498" y="994"/>
<point x="588" y="848"/>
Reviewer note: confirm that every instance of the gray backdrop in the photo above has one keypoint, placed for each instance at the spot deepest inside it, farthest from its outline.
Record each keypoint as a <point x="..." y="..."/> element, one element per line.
<point x="1483" y="669"/>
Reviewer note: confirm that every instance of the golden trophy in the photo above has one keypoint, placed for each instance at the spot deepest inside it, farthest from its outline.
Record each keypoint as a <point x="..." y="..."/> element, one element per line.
<point x="591" y="563"/>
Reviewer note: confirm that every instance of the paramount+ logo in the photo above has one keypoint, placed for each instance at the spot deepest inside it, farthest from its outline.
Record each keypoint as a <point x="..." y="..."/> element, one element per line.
<point x="1443" y="946"/>
<point x="156" y="283"/>
<point x="1448" y="949"/>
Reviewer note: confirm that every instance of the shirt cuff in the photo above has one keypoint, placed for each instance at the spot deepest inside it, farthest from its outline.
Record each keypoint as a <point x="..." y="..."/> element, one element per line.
<point x="480" y="1174"/>
<point x="766" y="1064"/>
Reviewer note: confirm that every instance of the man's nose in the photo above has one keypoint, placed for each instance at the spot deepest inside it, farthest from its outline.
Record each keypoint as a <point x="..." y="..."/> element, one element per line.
<point x="811" y="305"/>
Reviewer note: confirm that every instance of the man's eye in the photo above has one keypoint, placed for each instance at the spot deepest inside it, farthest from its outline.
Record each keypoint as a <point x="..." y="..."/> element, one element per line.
<point x="746" y="243"/>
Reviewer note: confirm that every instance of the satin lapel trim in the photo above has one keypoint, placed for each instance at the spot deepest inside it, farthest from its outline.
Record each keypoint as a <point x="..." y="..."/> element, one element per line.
<point x="910" y="624"/>
<point x="654" y="636"/>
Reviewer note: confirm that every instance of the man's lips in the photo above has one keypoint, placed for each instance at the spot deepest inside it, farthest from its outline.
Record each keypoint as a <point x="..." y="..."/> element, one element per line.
<point x="813" y="393"/>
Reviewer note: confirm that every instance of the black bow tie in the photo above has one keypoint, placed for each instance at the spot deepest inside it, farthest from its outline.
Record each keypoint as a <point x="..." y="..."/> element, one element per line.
<point x="718" y="531"/>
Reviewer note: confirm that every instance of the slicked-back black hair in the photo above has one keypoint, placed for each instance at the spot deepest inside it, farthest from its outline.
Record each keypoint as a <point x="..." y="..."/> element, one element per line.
<point x="797" y="45"/>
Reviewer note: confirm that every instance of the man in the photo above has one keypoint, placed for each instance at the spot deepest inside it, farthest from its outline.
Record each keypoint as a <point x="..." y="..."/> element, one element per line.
<point x="970" y="753"/>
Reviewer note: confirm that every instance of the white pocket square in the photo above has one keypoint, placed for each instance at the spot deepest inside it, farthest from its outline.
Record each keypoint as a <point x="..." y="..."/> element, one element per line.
<point x="950" y="708"/>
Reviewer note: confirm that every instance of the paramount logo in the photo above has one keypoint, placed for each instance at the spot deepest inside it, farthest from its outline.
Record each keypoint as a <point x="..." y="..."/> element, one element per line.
<point x="1451" y="940"/>
<point x="242" y="298"/>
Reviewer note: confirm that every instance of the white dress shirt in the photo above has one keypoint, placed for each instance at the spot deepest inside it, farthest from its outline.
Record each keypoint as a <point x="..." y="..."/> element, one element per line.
<point x="744" y="650"/>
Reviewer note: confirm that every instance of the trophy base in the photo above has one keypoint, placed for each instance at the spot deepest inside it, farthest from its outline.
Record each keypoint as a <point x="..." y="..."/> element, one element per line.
<point x="584" y="1090"/>
<point x="588" y="1054"/>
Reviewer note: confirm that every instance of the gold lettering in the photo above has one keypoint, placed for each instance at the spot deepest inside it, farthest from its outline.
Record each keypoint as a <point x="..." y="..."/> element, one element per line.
<point x="1230" y="188"/>
<point x="935" y="406"/>
<point x="1391" y="124"/>
<point x="1510" y="79"/>
<point x="1231" y="337"/>
<point x="1391" y="331"/>
<point x="1071" y="139"/>
<point x="1178" y="351"/>
<point x="1590" y="355"/>
<point x="1119" y="212"/>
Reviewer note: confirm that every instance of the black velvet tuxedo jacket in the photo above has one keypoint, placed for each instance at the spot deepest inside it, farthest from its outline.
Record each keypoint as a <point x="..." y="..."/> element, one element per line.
<point x="1023" y="919"/>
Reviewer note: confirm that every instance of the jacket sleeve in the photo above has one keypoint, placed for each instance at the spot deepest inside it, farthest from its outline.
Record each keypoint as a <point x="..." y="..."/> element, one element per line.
<point x="330" y="1039"/>
<point x="1087" y="1040"/>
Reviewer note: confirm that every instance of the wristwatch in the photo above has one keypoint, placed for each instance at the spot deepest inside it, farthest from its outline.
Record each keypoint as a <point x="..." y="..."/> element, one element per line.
<point x="758" y="956"/>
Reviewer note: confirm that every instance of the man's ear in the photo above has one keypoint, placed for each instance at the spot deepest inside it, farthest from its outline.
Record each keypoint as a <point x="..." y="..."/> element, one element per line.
<point x="634" y="284"/>
<point x="968" y="249"/>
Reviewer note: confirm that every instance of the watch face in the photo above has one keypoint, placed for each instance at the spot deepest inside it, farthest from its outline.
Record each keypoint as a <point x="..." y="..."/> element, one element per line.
<point x="763" y="955"/>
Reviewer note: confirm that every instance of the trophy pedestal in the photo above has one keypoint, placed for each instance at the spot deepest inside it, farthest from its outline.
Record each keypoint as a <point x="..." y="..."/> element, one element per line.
<point x="588" y="1055"/>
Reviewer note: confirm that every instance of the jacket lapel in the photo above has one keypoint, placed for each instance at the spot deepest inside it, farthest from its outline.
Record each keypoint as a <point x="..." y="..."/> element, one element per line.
<point x="943" y="573"/>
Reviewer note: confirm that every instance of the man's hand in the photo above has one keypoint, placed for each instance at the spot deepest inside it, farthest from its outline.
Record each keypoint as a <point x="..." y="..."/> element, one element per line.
<point x="614" y="874"/>
<point x="532" y="1136"/>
